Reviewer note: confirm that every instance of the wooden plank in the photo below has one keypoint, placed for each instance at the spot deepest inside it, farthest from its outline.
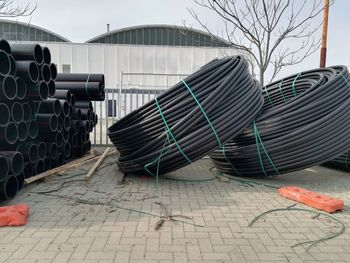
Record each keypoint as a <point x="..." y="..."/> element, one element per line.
<point x="67" y="167"/>
<point x="59" y="169"/>
<point x="97" y="164"/>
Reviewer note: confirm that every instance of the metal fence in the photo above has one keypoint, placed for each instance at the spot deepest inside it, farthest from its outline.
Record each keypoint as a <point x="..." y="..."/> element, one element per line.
<point x="133" y="92"/>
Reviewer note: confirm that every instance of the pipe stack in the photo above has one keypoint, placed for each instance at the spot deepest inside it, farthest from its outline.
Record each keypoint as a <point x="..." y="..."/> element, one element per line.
<point x="41" y="128"/>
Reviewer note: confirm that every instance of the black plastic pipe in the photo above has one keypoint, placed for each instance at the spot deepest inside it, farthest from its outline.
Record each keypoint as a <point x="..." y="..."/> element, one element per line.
<point x="52" y="149"/>
<point x="53" y="70"/>
<point x="5" y="63"/>
<point x="39" y="167"/>
<point x="12" y="65"/>
<point x="84" y="104"/>
<point x="226" y="92"/>
<point x="29" y="151"/>
<point x="28" y="170"/>
<point x="22" y="131"/>
<point x="8" y="188"/>
<point x="63" y="95"/>
<point x="47" y="163"/>
<point x="80" y="77"/>
<point x="49" y="106"/>
<point x="5" y="46"/>
<point x="38" y="91"/>
<point x="82" y="90"/>
<point x="64" y="107"/>
<point x="5" y="168"/>
<point x="8" y="88"/>
<point x="28" y="70"/>
<point x="28" y="52"/>
<point x="304" y="122"/>
<point x="8" y="134"/>
<point x="20" y="182"/>
<point x="21" y="88"/>
<point x="46" y="122"/>
<point x="46" y="55"/>
<point x="45" y="73"/>
<point x="33" y="129"/>
<point x="4" y="114"/>
<point x="15" y="162"/>
<point x="41" y="149"/>
<point x="52" y="87"/>
<point x="17" y="113"/>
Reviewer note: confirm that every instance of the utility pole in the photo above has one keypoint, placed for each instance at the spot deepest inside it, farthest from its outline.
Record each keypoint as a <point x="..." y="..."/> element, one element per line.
<point x="324" y="34"/>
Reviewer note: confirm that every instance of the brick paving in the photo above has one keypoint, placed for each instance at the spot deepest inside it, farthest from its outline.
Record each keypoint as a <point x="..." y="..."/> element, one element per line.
<point x="85" y="222"/>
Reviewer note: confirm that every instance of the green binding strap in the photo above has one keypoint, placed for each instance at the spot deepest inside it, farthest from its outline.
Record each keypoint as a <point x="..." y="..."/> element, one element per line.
<point x="169" y="131"/>
<point x="205" y="115"/>
<point x="293" y="84"/>
<point x="221" y="145"/>
<point x="228" y="160"/>
<point x="281" y="90"/>
<point x="268" y="96"/>
<point x="157" y="160"/>
<point x="345" y="80"/>
<point x="257" y="142"/>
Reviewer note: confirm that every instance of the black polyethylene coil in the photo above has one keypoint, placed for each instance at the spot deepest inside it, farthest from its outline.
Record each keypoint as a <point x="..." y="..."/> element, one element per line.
<point x="305" y="122"/>
<point x="229" y="96"/>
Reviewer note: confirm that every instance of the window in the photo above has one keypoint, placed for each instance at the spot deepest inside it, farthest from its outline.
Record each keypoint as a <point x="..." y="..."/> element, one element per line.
<point x="66" y="68"/>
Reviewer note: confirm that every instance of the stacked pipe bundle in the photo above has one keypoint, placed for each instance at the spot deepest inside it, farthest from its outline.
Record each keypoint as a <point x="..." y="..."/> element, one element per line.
<point x="40" y="128"/>
<point x="304" y="122"/>
<point x="81" y="89"/>
<point x="189" y="120"/>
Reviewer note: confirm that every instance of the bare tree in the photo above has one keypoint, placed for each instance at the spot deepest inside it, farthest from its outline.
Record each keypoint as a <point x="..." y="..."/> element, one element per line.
<point x="275" y="33"/>
<point x="9" y="9"/>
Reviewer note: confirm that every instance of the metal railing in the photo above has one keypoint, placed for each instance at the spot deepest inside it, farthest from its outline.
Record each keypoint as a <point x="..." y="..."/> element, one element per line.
<point x="118" y="103"/>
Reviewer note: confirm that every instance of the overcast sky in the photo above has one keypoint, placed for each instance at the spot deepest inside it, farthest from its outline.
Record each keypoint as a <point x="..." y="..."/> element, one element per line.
<point x="80" y="20"/>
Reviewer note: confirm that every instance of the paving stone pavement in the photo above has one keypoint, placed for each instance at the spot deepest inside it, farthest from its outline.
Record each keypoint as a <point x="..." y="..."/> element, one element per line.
<point x="100" y="220"/>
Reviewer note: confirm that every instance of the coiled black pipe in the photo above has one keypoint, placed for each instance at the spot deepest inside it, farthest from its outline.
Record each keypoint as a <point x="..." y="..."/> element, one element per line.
<point x="228" y="95"/>
<point x="304" y="123"/>
<point x="341" y="162"/>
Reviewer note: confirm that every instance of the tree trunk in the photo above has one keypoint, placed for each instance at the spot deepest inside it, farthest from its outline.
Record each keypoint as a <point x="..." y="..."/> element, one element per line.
<point x="261" y="75"/>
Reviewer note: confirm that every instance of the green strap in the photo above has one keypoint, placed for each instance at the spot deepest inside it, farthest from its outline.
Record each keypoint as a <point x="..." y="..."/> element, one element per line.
<point x="221" y="145"/>
<point x="345" y="80"/>
<point x="257" y="142"/>
<point x="157" y="160"/>
<point x="205" y="115"/>
<point x="268" y="96"/>
<point x="169" y="131"/>
<point x="293" y="84"/>
<point x="281" y="90"/>
<point x="228" y="160"/>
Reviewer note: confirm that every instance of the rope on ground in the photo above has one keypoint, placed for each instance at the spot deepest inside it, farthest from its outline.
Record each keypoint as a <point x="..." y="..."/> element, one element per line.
<point x="318" y="214"/>
<point x="243" y="181"/>
<point x="89" y="202"/>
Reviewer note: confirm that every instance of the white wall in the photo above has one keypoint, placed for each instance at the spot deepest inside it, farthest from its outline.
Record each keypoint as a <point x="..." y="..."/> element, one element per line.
<point x="111" y="60"/>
